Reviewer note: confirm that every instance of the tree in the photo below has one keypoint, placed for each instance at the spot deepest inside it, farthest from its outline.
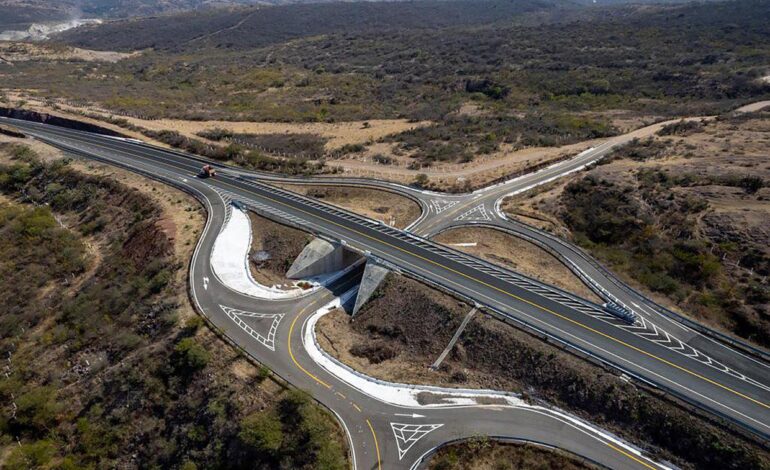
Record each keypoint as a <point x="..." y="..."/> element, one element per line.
<point x="190" y="356"/>
<point x="262" y="431"/>
<point x="421" y="180"/>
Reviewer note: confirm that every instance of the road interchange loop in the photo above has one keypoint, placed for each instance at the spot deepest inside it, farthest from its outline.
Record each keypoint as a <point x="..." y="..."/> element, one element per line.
<point x="659" y="350"/>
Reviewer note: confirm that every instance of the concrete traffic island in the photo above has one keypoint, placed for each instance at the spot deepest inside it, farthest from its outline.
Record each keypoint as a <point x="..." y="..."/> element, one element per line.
<point x="229" y="262"/>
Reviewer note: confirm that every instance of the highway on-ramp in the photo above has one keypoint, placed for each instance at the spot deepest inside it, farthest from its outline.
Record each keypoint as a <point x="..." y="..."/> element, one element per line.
<point x="564" y="317"/>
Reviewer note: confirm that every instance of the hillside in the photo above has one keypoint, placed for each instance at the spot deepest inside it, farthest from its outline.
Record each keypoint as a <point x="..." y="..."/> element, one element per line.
<point x="247" y="28"/>
<point x="19" y="14"/>
<point x="682" y="216"/>
<point x="106" y="363"/>
<point x="537" y="82"/>
<point x="492" y="89"/>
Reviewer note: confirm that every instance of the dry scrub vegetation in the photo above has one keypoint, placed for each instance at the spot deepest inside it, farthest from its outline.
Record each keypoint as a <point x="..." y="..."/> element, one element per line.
<point x="368" y="78"/>
<point x="107" y="364"/>
<point x="682" y="216"/>
<point x="387" y="207"/>
<point x="519" y="255"/>
<point x="406" y="325"/>
<point x="483" y="454"/>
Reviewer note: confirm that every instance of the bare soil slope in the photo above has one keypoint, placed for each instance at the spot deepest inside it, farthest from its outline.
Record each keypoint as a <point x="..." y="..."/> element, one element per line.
<point x="273" y="248"/>
<point x="519" y="255"/>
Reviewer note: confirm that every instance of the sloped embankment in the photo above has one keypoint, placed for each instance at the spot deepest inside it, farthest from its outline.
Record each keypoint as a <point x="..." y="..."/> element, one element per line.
<point x="406" y="325"/>
<point x="103" y="371"/>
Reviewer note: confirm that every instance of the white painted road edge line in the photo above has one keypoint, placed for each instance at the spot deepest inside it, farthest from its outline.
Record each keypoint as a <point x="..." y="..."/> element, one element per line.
<point x="405" y="395"/>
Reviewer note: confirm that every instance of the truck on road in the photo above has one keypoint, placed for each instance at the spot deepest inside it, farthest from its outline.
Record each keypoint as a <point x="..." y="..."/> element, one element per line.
<point x="207" y="172"/>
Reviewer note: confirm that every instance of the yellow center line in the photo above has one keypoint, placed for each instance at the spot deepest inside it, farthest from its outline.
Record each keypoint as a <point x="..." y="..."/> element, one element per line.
<point x="630" y="456"/>
<point x="575" y="322"/>
<point x="376" y="444"/>
<point x="545" y="309"/>
<point x="291" y="353"/>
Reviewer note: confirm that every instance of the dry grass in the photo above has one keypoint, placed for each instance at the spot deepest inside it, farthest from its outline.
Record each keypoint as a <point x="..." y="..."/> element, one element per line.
<point x="483" y="168"/>
<point x="495" y="455"/>
<point x="12" y="51"/>
<point x="519" y="255"/>
<point x="387" y="207"/>
<point x="338" y="133"/>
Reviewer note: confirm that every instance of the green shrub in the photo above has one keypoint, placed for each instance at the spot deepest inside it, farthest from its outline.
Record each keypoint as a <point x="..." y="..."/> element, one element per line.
<point x="193" y="323"/>
<point x="160" y="280"/>
<point x="681" y="128"/>
<point x="263" y="431"/>
<point x="34" y="455"/>
<point x="37" y="410"/>
<point x="190" y="356"/>
<point x="421" y="180"/>
<point x="752" y="184"/>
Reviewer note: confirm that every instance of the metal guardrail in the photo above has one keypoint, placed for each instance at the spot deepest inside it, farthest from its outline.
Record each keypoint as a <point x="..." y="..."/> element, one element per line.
<point x="502" y="315"/>
<point x="717" y="335"/>
<point x="551" y="292"/>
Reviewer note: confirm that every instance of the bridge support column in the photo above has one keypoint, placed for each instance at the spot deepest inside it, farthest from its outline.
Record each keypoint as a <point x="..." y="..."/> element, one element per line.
<point x="374" y="274"/>
<point x="319" y="257"/>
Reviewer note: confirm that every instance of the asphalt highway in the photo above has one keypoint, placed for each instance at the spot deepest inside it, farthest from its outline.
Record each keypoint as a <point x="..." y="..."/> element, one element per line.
<point x="381" y="435"/>
<point x="441" y="211"/>
<point x="738" y="396"/>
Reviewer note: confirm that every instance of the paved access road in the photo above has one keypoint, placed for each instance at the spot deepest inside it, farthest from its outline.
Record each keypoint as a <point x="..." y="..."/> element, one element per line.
<point x="382" y="435"/>
<point x="442" y="212"/>
<point x="557" y="314"/>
